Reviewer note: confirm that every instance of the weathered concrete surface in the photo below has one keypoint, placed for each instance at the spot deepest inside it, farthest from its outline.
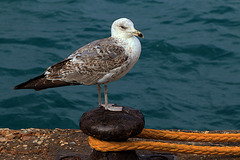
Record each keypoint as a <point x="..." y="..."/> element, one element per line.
<point x="42" y="143"/>
<point x="63" y="144"/>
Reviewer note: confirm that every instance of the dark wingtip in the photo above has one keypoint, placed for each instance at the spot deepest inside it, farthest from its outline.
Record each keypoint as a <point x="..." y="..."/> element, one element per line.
<point x="40" y="82"/>
<point x="29" y="84"/>
<point x="20" y="86"/>
<point x="17" y="87"/>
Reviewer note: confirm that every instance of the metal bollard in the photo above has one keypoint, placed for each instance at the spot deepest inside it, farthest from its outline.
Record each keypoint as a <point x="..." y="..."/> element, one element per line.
<point x="112" y="126"/>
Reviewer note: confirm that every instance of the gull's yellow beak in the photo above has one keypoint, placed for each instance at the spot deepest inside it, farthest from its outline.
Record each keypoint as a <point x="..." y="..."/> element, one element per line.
<point x="138" y="33"/>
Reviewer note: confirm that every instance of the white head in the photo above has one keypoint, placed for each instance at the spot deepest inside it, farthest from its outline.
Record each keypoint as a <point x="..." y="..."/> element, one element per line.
<point x="124" y="28"/>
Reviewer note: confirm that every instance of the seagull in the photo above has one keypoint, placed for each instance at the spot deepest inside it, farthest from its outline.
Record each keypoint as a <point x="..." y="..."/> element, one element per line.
<point x="99" y="62"/>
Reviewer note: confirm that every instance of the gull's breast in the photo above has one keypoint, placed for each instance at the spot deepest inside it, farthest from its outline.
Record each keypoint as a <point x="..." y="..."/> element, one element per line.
<point x="133" y="50"/>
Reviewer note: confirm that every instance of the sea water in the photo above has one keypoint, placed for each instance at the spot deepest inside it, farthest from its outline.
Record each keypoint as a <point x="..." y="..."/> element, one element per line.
<point x="188" y="75"/>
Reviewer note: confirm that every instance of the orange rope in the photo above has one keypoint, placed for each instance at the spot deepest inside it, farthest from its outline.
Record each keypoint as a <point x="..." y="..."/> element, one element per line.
<point x="106" y="146"/>
<point x="185" y="136"/>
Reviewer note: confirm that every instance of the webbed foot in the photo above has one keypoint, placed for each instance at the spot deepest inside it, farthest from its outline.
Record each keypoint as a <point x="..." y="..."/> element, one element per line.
<point x="112" y="107"/>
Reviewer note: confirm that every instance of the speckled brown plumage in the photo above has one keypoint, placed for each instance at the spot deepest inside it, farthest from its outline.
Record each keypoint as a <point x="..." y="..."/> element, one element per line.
<point x="90" y="63"/>
<point x="85" y="66"/>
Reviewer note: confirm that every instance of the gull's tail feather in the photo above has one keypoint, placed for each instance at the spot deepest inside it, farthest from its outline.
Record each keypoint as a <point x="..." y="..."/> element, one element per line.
<point x="40" y="82"/>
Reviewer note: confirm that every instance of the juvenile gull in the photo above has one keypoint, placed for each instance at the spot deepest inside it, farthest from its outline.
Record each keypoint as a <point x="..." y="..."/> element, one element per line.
<point x="99" y="62"/>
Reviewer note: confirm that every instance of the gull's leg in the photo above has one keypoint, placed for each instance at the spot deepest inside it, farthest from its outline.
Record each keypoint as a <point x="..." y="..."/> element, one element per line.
<point x="107" y="106"/>
<point x="99" y="95"/>
<point x="105" y="96"/>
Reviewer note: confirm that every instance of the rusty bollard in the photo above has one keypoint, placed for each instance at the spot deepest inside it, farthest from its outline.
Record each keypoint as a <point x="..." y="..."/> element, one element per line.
<point x="112" y="126"/>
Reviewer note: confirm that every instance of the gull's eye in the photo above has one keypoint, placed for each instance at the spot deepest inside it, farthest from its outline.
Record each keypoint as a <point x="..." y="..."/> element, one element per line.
<point x="123" y="27"/>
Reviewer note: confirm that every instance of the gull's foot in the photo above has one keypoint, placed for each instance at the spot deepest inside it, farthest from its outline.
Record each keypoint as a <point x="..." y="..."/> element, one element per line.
<point x="112" y="107"/>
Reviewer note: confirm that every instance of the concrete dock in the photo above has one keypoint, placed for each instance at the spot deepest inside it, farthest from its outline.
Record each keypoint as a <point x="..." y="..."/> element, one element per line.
<point x="63" y="144"/>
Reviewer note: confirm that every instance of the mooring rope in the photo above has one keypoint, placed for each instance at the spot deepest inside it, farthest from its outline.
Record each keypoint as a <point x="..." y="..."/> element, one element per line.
<point x="187" y="136"/>
<point x="106" y="146"/>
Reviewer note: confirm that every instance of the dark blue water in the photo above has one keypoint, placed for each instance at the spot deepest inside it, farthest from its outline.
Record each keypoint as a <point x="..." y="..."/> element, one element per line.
<point x="188" y="75"/>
